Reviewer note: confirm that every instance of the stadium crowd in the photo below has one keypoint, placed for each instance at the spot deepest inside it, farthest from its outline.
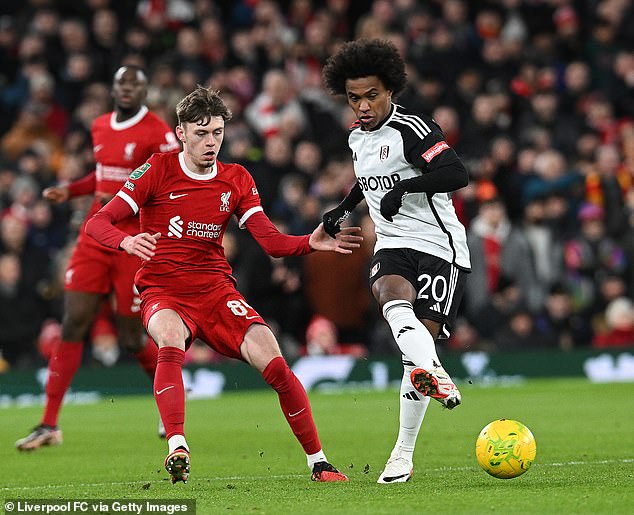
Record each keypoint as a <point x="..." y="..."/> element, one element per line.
<point x="537" y="97"/>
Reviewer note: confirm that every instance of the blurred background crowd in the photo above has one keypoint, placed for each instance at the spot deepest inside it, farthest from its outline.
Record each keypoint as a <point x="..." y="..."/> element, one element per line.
<point x="536" y="96"/>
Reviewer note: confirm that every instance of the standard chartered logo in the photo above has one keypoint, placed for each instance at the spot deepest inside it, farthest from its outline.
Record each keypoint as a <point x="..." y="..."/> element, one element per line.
<point x="193" y="228"/>
<point x="203" y="230"/>
<point x="176" y="227"/>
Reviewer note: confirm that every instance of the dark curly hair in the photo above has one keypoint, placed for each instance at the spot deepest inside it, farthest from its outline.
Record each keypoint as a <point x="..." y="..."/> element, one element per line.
<point x="363" y="58"/>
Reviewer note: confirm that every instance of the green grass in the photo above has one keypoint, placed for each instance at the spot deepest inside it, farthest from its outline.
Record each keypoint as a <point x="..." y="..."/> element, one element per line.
<point x="245" y="460"/>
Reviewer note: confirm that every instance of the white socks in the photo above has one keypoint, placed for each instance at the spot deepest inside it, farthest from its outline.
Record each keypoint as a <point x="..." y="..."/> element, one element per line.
<point x="177" y="441"/>
<point x="412" y="337"/>
<point x="314" y="458"/>
<point x="419" y="350"/>
<point x="413" y="406"/>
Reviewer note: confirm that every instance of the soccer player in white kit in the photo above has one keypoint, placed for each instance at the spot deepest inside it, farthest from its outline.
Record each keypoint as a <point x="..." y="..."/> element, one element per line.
<point x="406" y="172"/>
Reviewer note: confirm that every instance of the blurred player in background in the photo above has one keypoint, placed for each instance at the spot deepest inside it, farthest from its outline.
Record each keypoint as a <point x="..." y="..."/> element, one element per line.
<point x="186" y="201"/>
<point x="405" y="170"/>
<point x="122" y="140"/>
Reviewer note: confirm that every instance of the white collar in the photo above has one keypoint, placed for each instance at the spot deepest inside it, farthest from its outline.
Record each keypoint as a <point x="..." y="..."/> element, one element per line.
<point x="119" y="126"/>
<point x="194" y="175"/>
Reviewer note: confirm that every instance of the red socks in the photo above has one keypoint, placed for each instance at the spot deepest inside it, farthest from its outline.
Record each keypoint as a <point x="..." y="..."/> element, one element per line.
<point x="147" y="357"/>
<point x="169" y="391"/>
<point x="294" y="403"/>
<point x="61" y="370"/>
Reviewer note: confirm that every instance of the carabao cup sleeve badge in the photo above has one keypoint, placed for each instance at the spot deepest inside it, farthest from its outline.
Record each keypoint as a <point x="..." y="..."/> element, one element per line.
<point x="140" y="171"/>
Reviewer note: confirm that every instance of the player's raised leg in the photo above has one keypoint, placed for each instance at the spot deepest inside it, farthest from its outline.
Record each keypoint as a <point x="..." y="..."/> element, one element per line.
<point x="396" y="295"/>
<point x="170" y="333"/>
<point x="261" y="350"/>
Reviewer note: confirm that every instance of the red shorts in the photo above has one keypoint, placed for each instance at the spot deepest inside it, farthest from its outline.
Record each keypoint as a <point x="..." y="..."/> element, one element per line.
<point x="96" y="269"/>
<point x="220" y="317"/>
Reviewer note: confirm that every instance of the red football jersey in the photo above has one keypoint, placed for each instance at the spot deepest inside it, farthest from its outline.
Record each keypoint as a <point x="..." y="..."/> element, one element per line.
<point x="121" y="147"/>
<point x="191" y="211"/>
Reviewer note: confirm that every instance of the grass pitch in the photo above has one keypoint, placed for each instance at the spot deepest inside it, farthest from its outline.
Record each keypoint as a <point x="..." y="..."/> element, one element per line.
<point x="245" y="459"/>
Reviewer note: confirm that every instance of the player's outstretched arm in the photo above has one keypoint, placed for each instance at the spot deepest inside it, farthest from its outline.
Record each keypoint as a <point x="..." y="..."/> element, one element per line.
<point x="84" y="186"/>
<point x="142" y="245"/>
<point x="347" y="239"/>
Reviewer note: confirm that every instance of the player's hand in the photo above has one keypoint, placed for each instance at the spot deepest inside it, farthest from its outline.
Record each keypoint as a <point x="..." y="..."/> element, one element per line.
<point x="343" y="242"/>
<point x="142" y="245"/>
<point x="333" y="219"/>
<point x="56" y="194"/>
<point x="392" y="202"/>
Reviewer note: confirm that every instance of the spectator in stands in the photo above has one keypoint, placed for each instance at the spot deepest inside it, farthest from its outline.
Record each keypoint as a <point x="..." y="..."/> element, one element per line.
<point x="589" y="256"/>
<point x="20" y="312"/>
<point x="496" y="311"/>
<point x="567" y="328"/>
<point x="276" y="109"/>
<point x="322" y="339"/>
<point x="28" y="129"/>
<point x="606" y="185"/>
<point x="520" y="333"/>
<point x="34" y="264"/>
<point x="619" y="330"/>
<point x="498" y="249"/>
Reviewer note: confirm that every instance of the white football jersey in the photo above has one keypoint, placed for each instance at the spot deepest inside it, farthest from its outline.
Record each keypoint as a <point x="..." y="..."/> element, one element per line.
<point x="403" y="147"/>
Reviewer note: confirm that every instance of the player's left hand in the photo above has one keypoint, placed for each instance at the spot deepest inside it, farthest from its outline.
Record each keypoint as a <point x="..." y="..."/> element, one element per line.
<point x="142" y="245"/>
<point x="346" y="240"/>
<point x="392" y="202"/>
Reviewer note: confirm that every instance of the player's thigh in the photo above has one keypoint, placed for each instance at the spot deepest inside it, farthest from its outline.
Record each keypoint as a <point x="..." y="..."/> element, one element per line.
<point x="392" y="287"/>
<point x="127" y="300"/>
<point x="223" y="317"/>
<point x="167" y="329"/>
<point x="259" y="346"/>
<point x="393" y="276"/>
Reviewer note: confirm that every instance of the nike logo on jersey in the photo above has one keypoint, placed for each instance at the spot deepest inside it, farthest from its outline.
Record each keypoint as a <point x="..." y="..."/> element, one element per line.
<point x="403" y="330"/>
<point x="296" y="413"/>
<point x="252" y="317"/>
<point x="159" y="392"/>
<point x="174" y="196"/>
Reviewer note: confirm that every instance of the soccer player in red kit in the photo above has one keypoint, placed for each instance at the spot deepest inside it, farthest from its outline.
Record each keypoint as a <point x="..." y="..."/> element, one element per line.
<point x="187" y="291"/>
<point x="122" y="141"/>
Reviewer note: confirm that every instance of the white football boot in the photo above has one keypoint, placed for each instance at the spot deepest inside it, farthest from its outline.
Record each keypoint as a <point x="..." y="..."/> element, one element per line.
<point x="398" y="469"/>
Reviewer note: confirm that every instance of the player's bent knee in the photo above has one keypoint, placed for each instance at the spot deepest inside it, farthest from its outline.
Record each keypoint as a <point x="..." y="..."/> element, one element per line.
<point x="259" y="347"/>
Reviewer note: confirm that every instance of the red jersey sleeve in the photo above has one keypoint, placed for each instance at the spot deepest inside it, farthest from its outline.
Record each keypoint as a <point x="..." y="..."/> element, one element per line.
<point x="101" y="226"/>
<point x="84" y="186"/>
<point x="141" y="184"/>
<point x="274" y="242"/>
<point x="249" y="202"/>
